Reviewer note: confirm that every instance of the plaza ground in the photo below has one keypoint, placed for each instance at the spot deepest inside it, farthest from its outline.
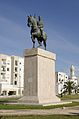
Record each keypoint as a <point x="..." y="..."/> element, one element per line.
<point x="57" y="113"/>
<point x="66" y="111"/>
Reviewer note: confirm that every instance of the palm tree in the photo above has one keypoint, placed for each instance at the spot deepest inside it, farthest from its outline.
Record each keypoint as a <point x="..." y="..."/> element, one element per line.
<point x="69" y="86"/>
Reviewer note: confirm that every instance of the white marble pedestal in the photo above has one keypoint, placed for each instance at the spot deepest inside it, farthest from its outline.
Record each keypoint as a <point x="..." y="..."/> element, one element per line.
<point x="39" y="77"/>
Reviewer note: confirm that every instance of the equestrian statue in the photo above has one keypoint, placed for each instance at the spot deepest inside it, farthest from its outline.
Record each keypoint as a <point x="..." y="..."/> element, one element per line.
<point x="37" y="30"/>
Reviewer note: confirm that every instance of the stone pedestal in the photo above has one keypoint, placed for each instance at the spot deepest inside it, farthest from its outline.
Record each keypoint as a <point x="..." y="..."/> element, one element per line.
<point x="39" y="77"/>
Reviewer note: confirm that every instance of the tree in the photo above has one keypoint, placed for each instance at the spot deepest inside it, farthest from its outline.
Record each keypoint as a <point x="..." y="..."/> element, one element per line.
<point x="69" y="86"/>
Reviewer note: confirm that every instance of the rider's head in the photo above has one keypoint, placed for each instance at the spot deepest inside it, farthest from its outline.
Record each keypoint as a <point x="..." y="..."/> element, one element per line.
<point x="30" y="15"/>
<point x="34" y="16"/>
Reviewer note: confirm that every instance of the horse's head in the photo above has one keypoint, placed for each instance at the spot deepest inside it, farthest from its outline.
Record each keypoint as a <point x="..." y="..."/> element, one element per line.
<point x="29" y="21"/>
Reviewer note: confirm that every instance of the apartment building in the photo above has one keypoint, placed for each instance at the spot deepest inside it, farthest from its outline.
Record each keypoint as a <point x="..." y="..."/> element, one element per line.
<point x="61" y="78"/>
<point x="11" y="75"/>
<point x="17" y="73"/>
<point x="5" y="73"/>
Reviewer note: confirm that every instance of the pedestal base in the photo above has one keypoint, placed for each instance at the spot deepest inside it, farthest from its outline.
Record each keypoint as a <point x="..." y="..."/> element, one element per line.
<point x="39" y="77"/>
<point x="37" y="101"/>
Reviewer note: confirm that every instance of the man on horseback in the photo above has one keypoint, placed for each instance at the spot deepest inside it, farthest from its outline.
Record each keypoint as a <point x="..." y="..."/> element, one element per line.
<point x="35" y="22"/>
<point x="37" y="30"/>
<point x="40" y="25"/>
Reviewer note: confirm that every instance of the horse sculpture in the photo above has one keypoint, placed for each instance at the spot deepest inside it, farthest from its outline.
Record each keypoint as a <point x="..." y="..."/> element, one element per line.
<point x="36" y="31"/>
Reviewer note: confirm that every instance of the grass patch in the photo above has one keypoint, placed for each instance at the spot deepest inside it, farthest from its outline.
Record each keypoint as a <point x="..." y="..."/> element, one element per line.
<point x="65" y="97"/>
<point x="12" y="99"/>
<point x="13" y="106"/>
<point x="8" y="99"/>
<point x="40" y="117"/>
<point x="69" y="97"/>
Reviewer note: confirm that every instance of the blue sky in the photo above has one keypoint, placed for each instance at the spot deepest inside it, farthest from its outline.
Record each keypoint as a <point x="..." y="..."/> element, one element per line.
<point x="61" y="23"/>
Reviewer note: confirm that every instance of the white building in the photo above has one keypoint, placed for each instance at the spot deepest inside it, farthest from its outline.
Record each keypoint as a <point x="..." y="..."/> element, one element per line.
<point x="61" y="78"/>
<point x="11" y="75"/>
<point x="17" y="73"/>
<point x="72" y="75"/>
<point x="5" y="73"/>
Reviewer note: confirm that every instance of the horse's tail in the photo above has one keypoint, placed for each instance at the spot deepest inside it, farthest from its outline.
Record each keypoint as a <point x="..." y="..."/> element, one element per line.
<point x="44" y="36"/>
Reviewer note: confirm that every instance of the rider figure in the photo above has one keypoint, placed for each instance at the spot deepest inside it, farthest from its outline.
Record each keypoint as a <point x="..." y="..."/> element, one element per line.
<point x="35" y="22"/>
<point x="40" y="25"/>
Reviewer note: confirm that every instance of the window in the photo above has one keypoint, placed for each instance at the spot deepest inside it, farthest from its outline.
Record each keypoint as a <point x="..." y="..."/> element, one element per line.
<point x="15" y="76"/>
<point x="60" y="75"/>
<point x="3" y="68"/>
<point x="3" y="75"/>
<point x="7" y="69"/>
<point x="16" y="62"/>
<point x="4" y="61"/>
<point x="15" y="82"/>
<point x="16" y="69"/>
<point x="59" y="79"/>
<point x="22" y="91"/>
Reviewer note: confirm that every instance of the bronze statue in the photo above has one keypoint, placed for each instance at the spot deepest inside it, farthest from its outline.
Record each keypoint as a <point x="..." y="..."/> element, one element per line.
<point x="40" y="25"/>
<point x="37" y="30"/>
